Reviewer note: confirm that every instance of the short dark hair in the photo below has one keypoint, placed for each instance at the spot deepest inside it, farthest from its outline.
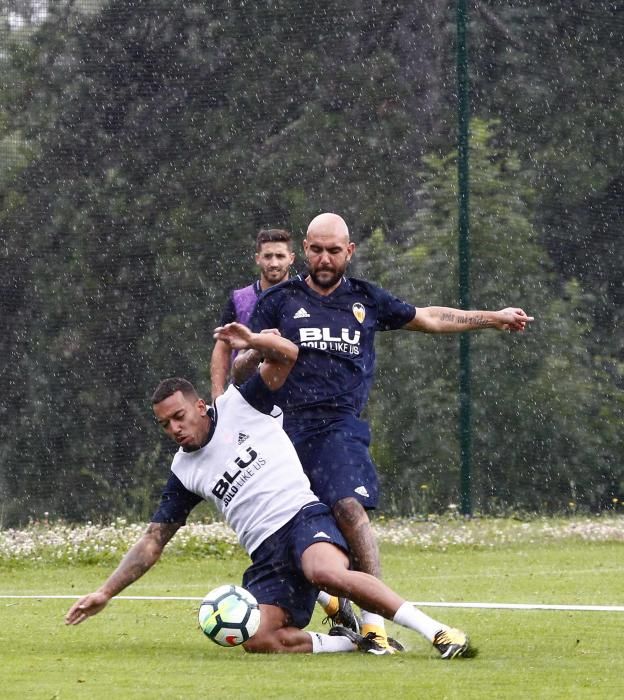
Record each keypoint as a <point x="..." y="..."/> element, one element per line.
<point x="168" y="387"/>
<point x="273" y="235"/>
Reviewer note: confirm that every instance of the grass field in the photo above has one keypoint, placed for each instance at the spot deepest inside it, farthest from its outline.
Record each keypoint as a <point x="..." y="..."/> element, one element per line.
<point x="153" y="649"/>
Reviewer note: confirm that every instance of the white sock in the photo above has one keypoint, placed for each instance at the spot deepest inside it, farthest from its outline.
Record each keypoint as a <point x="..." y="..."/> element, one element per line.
<point x="413" y="618"/>
<point x="323" y="598"/>
<point x="323" y="643"/>
<point x="369" y="618"/>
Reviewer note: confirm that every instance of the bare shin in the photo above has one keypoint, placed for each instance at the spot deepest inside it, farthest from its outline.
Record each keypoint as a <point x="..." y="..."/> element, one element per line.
<point x="356" y="528"/>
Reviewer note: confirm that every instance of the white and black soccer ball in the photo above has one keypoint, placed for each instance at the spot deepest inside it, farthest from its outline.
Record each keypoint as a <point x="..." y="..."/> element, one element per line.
<point x="229" y="615"/>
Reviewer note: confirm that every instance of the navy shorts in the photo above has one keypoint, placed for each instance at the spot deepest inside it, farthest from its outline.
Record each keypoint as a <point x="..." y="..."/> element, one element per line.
<point x="336" y="459"/>
<point x="275" y="576"/>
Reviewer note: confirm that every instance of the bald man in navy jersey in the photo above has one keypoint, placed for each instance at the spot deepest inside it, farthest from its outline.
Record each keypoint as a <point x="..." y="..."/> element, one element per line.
<point x="333" y="319"/>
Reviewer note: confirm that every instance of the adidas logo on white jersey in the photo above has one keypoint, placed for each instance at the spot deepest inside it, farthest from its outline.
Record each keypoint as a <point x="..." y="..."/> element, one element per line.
<point x="302" y="313"/>
<point x="362" y="491"/>
<point x="242" y="437"/>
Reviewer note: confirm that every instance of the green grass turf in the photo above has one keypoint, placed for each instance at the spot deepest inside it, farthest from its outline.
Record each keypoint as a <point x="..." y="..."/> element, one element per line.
<point x="153" y="649"/>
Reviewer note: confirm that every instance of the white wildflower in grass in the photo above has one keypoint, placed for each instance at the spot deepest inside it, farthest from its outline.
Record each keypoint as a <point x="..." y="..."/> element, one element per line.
<point x="97" y="543"/>
<point x="91" y="543"/>
<point x="489" y="532"/>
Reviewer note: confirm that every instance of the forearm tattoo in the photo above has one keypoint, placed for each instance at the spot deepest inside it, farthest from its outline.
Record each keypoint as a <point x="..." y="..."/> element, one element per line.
<point x="142" y="556"/>
<point x="465" y="319"/>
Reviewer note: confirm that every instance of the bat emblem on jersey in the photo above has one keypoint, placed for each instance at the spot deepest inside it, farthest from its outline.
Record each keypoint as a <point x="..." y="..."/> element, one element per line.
<point x="359" y="311"/>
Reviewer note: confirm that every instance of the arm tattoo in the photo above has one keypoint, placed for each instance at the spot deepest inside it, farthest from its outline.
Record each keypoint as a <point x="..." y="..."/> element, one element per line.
<point x="465" y="319"/>
<point x="162" y="532"/>
<point x="141" y="557"/>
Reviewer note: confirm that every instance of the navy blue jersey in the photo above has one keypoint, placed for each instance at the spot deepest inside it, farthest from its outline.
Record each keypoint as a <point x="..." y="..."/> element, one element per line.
<point x="335" y="335"/>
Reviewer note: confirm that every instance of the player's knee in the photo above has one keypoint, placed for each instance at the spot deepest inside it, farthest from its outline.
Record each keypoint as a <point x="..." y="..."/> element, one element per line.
<point x="331" y="580"/>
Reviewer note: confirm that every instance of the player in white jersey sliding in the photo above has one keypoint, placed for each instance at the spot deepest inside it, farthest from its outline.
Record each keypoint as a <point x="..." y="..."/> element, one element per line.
<point x="238" y="456"/>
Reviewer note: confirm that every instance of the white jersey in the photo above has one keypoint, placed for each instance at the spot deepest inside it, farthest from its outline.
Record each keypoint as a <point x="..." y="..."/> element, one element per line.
<point x="249" y="469"/>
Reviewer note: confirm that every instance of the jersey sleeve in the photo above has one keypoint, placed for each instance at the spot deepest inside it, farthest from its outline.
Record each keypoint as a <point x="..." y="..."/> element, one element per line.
<point x="176" y="502"/>
<point x="264" y="314"/>
<point x="258" y="394"/>
<point x="393" y="313"/>
<point x="228" y="315"/>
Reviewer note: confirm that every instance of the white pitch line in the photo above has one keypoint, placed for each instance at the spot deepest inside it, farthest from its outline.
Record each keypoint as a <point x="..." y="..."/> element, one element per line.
<point x="119" y="597"/>
<point x="418" y="604"/>
<point x="523" y="606"/>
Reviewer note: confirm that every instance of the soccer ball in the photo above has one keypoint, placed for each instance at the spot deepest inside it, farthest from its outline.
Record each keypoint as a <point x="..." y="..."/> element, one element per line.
<point x="229" y="615"/>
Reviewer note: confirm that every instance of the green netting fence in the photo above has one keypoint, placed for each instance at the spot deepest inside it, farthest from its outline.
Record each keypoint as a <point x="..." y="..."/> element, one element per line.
<point x="144" y="142"/>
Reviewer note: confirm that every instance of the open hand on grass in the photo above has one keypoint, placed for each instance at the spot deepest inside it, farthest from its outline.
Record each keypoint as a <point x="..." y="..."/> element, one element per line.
<point x="87" y="606"/>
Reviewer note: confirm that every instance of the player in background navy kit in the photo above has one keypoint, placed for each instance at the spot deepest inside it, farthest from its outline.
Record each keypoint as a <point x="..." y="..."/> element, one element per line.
<point x="238" y="456"/>
<point x="274" y="257"/>
<point x="333" y="319"/>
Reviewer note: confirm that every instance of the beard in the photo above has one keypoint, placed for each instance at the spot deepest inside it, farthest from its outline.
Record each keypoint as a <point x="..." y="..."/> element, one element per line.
<point x="329" y="279"/>
<point x="274" y="276"/>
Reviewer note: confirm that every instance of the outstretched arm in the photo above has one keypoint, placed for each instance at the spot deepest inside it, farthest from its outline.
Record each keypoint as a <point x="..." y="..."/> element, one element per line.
<point x="139" y="559"/>
<point x="279" y="354"/>
<point x="442" y="319"/>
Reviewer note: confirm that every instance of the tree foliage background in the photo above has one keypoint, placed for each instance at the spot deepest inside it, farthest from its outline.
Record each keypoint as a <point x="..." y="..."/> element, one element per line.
<point x="145" y="142"/>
